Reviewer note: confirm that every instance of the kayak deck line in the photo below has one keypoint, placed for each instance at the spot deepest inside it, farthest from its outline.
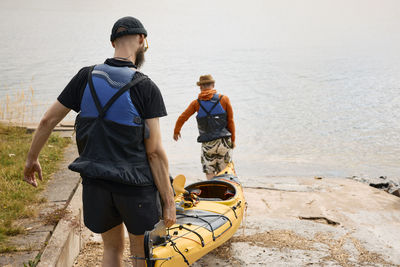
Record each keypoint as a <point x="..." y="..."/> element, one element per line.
<point x="209" y="213"/>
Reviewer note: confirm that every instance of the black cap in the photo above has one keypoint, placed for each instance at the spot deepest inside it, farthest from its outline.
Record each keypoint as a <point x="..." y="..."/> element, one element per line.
<point x="132" y="26"/>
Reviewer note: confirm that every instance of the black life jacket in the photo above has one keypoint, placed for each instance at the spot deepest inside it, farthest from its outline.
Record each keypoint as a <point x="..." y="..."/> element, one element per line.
<point x="109" y="130"/>
<point x="211" y="120"/>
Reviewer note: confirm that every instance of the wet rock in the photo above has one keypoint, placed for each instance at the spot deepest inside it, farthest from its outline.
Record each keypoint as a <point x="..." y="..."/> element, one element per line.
<point x="392" y="186"/>
<point x="383" y="186"/>
<point x="396" y="192"/>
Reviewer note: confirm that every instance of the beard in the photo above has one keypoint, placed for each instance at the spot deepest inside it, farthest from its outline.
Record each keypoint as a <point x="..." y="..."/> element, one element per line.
<point x="139" y="57"/>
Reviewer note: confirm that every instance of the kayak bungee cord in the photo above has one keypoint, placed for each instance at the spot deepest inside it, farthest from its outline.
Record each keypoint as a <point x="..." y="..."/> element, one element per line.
<point x="201" y="219"/>
<point x="149" y="259"/>
<point x="209" y="224"/>
<point x="235" y="207"/>
<point x="180" y="227"/>
<point x="191" y="239"/>
<point x="173" y="244"/>
<point x="200" y="226"/>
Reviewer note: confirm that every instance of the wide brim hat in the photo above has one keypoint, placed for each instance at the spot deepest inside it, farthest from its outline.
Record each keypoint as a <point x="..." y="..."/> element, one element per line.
<point x="204" y="79"/>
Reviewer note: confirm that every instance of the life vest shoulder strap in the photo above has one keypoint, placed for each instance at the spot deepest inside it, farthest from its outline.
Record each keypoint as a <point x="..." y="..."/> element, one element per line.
<point x="212" y="108"/>
<point x="103" y="110"/>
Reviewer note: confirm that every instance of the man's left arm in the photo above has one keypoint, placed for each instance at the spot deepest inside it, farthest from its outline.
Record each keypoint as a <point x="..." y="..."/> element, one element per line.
<point x="159" y="167"/>
<point x="229" y="113"/>
<point x="50" y="119"/>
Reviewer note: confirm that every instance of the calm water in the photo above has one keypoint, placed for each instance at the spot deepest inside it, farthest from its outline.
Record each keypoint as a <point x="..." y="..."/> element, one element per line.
<point x="314" y="84"/>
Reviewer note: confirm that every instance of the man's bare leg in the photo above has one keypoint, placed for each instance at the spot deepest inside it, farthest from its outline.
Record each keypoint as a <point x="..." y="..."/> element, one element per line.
<point x="209" y="176"/>
<point x="137" y="249"/>
<point x="113" y="241"/>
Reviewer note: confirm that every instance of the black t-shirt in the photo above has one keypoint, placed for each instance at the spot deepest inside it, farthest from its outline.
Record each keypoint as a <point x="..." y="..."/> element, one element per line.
<point x="145" y="96"/>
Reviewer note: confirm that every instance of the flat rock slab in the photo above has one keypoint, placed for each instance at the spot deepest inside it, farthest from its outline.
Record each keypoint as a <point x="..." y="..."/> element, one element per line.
<point x="335" y="222"/>
<point x="64" y="127"/>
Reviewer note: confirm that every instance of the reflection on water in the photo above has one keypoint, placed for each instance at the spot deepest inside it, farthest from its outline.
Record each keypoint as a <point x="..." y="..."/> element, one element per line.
<point x="307" y="101"/>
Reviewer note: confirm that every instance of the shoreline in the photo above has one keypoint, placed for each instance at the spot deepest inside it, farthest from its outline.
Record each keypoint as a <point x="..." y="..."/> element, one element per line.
<point x="291" y="221"/>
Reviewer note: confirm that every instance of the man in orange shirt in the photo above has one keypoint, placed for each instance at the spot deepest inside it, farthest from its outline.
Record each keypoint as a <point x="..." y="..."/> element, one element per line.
<point x="216" y="126"/>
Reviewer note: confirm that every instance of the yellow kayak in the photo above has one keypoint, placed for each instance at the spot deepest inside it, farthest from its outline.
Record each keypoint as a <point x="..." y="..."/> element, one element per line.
<point x="208" y="214"/>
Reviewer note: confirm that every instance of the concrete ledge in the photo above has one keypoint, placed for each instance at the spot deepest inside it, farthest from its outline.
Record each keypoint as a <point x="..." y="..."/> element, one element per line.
<point x="63" y="126"/>
<point x="67" y="239"/>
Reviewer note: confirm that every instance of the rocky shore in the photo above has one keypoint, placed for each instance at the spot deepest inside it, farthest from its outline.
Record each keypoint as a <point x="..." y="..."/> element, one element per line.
<point x="304" y="222"/>
<point x="389" y="185"/>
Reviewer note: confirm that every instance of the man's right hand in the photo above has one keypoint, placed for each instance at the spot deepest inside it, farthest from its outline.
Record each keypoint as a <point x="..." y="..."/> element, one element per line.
<point x="177" y="136"/>
<point x="169" y="215"/>
<point x="32" y="167"/>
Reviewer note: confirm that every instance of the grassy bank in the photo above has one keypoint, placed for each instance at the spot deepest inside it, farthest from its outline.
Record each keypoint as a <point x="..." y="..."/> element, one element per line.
<point x="17" y="198"/>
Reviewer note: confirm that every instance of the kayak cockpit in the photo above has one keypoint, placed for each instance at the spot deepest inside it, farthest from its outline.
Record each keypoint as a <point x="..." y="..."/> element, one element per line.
<point x="213" y="190"/>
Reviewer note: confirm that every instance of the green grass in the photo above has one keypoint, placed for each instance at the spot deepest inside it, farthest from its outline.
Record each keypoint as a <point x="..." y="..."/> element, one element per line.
<point x="17" y="198"/>
<point x="34" y="262"/>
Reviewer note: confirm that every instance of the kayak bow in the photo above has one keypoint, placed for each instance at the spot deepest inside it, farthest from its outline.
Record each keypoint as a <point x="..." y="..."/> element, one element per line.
<point x="208" y="214"/>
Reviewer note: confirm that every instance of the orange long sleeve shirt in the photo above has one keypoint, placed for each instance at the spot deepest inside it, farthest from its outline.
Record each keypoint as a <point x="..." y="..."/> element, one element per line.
<point x="194" y="107"/>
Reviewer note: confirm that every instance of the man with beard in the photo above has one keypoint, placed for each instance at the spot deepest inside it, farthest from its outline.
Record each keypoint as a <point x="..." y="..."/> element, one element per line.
<point x="121" y="159"/>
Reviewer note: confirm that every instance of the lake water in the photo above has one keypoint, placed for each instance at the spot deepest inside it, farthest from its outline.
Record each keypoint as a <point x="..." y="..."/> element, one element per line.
<point x="314" y="84"/>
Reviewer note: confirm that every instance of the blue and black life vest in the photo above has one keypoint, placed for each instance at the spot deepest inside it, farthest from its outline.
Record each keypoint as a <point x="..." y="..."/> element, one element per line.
<point x="109" y="130"/>
<point x="211" y="120"/>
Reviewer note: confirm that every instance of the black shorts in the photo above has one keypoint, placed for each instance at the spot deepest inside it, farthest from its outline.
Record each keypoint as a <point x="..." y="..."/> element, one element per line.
<point x="104" y="209"/>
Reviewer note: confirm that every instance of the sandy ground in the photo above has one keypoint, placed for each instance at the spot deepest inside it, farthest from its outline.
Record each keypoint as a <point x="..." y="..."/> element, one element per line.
<point x="304" y="222"/>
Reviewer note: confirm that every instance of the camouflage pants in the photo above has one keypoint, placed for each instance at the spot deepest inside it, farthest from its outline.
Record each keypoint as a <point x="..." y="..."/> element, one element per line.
<point x="216" y="154"/>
